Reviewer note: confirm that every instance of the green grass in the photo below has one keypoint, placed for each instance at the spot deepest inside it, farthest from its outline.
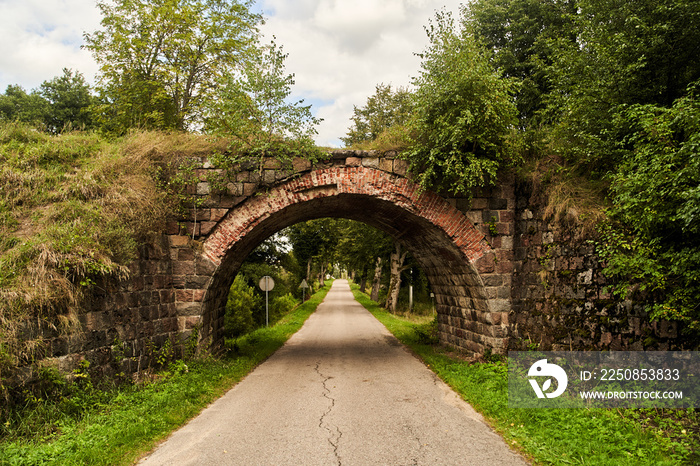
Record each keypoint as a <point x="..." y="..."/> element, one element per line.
<point x="136" y="418"/>
<point x="551" y="436"/>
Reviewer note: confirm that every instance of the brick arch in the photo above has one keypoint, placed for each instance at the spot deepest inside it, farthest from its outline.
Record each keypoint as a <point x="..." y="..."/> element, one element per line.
<point x="443" y="240"/>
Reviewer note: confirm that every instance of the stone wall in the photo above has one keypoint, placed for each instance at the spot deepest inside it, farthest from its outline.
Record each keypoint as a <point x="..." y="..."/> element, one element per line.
<point x="561" y="300"/>
<point x="492" y="211"/>
<point x="125" y="324"/>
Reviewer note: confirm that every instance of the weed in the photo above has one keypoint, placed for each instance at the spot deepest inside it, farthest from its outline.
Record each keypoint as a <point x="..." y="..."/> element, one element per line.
<point x="192" y="343"/>
<point x="493" y="229"/>
<point x="74" y="210"/>
<point x="427" y="333"/>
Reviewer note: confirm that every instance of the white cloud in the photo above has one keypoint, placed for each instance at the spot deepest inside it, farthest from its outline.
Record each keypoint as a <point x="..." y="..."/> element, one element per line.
<point x="38" y="39"/>
<point x="339" y="50"/>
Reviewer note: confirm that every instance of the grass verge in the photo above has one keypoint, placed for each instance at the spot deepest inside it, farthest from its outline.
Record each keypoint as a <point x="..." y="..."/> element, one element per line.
<point x="550" y="436"/>
<point x="136" y="418"/>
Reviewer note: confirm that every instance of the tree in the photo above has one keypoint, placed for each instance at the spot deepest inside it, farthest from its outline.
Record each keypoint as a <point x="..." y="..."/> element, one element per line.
<point x="240" y="306"/>
<point x="160" y="60"/>
<point x="625" y="53"/>
<point x="463" y="111"/>
<point x="518" y="33"/>
<point x="396" y="266"/>
<point x="69" y="99"/>
<point x="314" y="242"/>
<point x="359" y="248"/>
<point x="17" y="105"/>
<point x="386" y="108"/>
<point x="59" y="104"/>
<point x="254" y="111"/>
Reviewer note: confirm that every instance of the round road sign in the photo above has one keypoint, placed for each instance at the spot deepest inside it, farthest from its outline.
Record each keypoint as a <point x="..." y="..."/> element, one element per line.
<point x="267" y="283"/>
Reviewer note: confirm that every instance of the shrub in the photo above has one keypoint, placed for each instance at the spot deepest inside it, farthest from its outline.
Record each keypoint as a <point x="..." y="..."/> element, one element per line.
<point x="242" y="300"/>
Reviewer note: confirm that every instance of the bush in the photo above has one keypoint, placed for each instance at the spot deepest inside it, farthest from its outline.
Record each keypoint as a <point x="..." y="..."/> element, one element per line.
<point x="242" y="300"/>
<point x="463" y="112"/>
<point x="282" y="305"/>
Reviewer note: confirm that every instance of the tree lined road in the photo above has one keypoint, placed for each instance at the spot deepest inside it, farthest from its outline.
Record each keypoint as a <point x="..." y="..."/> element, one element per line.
<point x="342" y="390"/>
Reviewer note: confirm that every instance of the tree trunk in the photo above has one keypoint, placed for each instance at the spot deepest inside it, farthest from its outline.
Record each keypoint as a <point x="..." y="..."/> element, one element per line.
<point x="322" y="275"/>
<point x="396" y="267"/>
<point x="377" y="280"/>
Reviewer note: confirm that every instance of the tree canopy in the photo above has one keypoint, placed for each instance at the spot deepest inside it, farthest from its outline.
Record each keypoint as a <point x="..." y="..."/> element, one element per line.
<point x="463" y="110"/>
<point x="160" y="60"/>
<point x="385" y="109"/>
<point x="253" y="109"/>
<point x="59" y="104"/>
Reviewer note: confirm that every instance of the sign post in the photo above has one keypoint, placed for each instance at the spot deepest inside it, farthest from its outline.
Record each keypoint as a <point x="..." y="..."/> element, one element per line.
<point x="267" y="284"/>
<point x="303" y="287"/>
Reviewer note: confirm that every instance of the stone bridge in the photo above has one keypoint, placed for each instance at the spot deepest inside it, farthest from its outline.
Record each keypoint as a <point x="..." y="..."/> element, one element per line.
<point x="468" y="268"/>
<point x="505" y="276"/>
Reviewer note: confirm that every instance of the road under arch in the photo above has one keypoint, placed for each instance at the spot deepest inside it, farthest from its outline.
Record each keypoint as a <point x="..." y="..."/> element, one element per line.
<point x="447" y="246"/>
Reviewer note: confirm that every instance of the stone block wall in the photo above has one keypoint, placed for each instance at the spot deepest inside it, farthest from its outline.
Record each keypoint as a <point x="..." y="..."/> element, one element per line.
<point x="492" y="211"/>
<point x="127" y="323"/>
<point x="561" y="300"/>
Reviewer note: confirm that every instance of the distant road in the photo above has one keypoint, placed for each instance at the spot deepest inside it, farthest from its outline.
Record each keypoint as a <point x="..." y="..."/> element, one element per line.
<point x="344" y="391"/>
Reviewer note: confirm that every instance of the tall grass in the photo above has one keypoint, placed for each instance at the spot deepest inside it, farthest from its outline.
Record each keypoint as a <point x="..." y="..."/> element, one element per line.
<point x="74" y="209"/>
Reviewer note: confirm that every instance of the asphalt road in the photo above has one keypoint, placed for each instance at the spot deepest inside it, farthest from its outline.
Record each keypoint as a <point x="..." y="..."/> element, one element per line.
<point x="344" y="391"/>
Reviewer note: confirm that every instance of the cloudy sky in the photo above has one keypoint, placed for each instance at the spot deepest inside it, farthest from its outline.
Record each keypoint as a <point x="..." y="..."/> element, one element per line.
<point x="338" y="49"/>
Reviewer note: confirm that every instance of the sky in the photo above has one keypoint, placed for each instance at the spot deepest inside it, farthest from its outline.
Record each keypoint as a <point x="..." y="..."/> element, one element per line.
<point x="339" y="50"/>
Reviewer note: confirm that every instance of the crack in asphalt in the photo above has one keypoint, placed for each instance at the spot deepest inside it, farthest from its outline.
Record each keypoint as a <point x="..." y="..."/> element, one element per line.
<point x="333" y="437"/>
<point x="419" y="454"/>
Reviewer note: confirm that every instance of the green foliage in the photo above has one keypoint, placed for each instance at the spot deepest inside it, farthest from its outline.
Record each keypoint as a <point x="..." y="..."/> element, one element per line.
<point x="463" y="112"/>
<point x="427" y="334"/>
<point x="242" y="299"/>
<point x="518" y="33"/>
<point x="69" y="99"/>
<point x="625" y="53"/>
<point x="359" y="245"/>
<point x="253" y="111"/>
<point x="314" y="244"/>
<point x="181" y="187"/>
<point x="59" y="105"/>
<point x="160" y="61"/>
<point x="385" y="109"/>
<point x="17" y="105"/>
<point x="245" y="308"/>
<point x="653" y="249"/>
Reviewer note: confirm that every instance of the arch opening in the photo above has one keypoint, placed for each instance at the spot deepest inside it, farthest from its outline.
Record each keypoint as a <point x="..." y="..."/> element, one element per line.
<point x="443" y="242"/>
